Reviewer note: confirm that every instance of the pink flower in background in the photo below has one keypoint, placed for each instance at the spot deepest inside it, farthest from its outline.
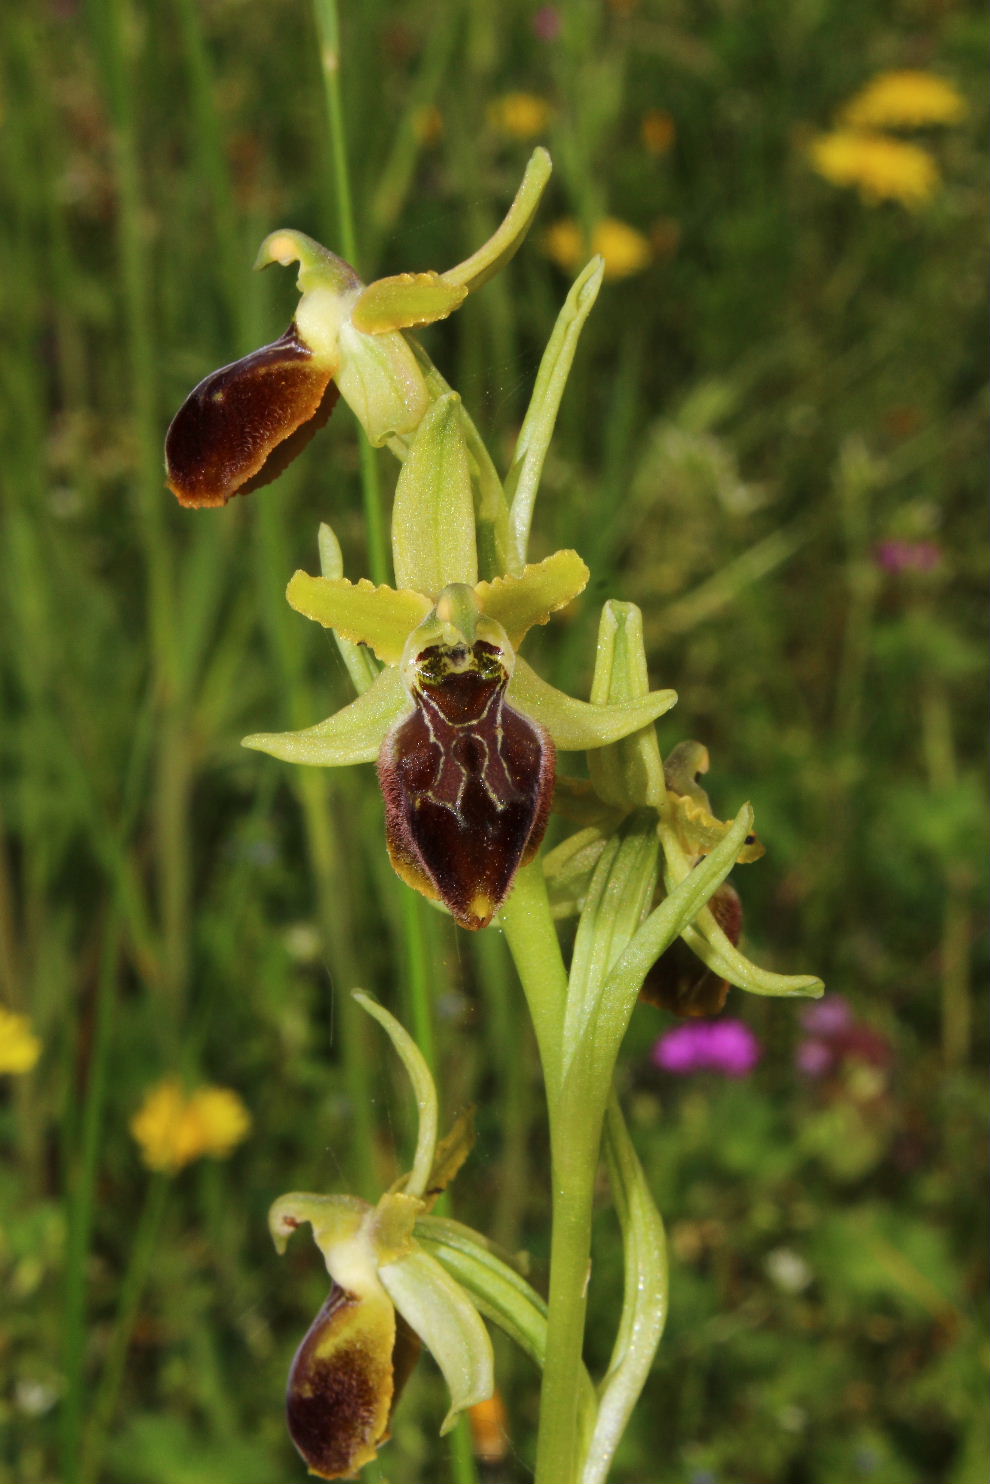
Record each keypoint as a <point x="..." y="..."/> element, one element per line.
<point x="834" y="1036"/>
<point x="725" y="1046"/>
<point x="907" y="556"/>
<point x="546" y="23"/>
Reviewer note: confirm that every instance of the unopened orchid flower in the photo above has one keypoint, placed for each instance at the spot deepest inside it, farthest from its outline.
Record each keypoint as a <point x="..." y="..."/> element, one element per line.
<point x="241" y="426"/>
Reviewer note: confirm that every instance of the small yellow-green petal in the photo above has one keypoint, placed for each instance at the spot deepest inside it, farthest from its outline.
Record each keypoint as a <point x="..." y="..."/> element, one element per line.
<point x="382" y="617"/>
<point x="578" y="726"/>
<point x="517" y="603"/>
<point x="352" y="735"/>
<point x="434" y="1305"/>
<point x="507" y="238"/>
<point x="404" y="301"/>
<point x="433" y="532"/>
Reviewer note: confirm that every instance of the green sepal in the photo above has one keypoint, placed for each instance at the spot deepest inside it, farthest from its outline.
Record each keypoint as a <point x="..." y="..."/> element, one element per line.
<point x="433" y="531"/>
<point x="404" y="301"/>
<point x="360" y="663"/>
<point x="506" y="240"/>
<point x="629" y="773"/>
<point x="424" y="1091"/>
<point x="443" y="1316"/>
<point x="578" y="726"/>
<point x="644" y="1297"/>
<point x="523" y="479"/>
<point x="379" y="378"/>
<point x="352" y="735"/>
<point x="705" y="938"/>
<point x="517" y="603"/>
<point x="501" y="1292"/>
<point x="381" y="617"/>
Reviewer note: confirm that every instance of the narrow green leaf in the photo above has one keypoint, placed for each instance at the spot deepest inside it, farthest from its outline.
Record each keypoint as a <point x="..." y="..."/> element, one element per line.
<point x="352" y="735"/>
<point x="523" y="479"/>
<point x="644" y="1300"/>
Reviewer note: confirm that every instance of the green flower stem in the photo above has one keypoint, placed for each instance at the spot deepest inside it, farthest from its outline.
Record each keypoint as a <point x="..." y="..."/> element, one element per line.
<point x="328" y="29"/>
<point x="574" y="1140"/>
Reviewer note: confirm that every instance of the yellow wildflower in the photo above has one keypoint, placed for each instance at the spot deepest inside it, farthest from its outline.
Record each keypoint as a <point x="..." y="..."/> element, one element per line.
<point x="881" y="169"/>
<point x="519" y="115"/>
<point x="904" y="100"/>
<point x="625" y="250"/>
<point x="657" y="131"/>
<point x="174" y="1127"/>
<point x="19" y="1046"/>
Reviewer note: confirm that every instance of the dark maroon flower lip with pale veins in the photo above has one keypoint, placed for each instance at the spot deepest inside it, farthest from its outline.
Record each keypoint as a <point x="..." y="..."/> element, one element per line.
<point x="468" y="783"/>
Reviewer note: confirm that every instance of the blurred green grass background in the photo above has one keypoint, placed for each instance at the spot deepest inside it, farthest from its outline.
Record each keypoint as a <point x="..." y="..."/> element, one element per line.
<point x="773" y="441"/>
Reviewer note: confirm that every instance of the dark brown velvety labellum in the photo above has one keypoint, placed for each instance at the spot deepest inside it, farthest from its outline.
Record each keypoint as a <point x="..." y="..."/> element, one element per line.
<point x="243" y="424"/>
<point x="680" y="982"/>
<point x="340" y="1392"/>
<point x="468" y="783"/>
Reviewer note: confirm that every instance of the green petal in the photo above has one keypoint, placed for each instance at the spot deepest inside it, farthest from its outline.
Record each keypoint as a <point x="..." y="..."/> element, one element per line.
<point x="360" y="611"/>
<point x="353" y="735"/>
<point x="523" y="478"/>
<point x="433" y="535"/>
<point x="406" y="300"/>
<point x="360" y="664"/>
<point x="518" y="603"/>
<point x="437" y="1308"/>
<point x="578" y="726"/>
<point x="508" y="238"/>
<point x="630" y="773"/>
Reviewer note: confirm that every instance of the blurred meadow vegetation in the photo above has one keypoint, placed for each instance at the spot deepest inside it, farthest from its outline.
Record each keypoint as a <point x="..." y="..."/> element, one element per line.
<point x="773" y="442"/>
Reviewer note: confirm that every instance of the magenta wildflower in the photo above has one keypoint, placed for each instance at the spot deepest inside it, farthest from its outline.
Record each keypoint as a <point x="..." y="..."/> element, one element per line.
<point x="837" y="1036"/>
<point x="546" y="23"/>
<point x="725" y="1046"/>
<point x="907" y="556"/>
